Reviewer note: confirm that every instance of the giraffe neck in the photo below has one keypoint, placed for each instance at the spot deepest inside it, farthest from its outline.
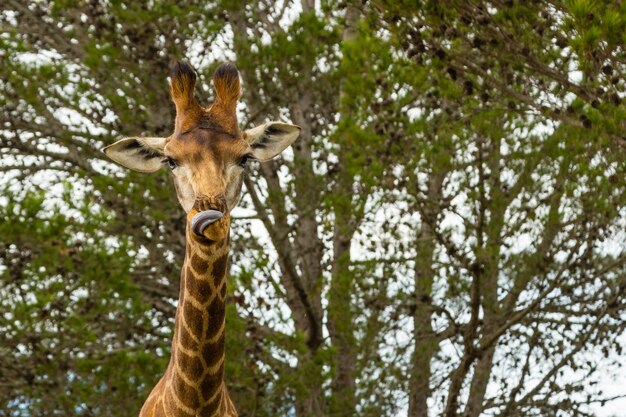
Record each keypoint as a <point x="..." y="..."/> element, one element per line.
<point x="196" y="371"/>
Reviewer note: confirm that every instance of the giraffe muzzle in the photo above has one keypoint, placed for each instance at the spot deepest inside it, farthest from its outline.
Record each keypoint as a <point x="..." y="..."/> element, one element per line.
<point x="204" y="219"/>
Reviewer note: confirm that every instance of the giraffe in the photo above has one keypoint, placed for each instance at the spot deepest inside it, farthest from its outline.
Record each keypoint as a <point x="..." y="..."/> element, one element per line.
<point x="207" y="154"/>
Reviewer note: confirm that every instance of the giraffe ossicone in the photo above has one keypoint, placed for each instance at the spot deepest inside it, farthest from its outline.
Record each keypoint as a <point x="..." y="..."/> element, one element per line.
<point x="207" y="154"/>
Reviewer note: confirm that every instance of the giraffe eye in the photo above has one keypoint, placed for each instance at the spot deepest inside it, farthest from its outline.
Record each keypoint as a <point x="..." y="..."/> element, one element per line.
<point x="171" y="163"/>
<point x="243" y="161"/>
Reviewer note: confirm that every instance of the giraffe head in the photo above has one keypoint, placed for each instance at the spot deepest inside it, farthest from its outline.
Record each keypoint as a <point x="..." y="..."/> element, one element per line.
<point x="207" y="153"/>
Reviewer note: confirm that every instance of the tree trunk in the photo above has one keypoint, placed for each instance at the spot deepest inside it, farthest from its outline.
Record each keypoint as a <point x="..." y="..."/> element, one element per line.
<point x="425" y="342"/>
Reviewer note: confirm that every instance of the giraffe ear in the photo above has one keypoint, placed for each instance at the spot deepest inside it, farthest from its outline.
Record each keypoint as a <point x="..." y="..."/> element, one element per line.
<point x="139" y="154"/>
<point x="270" y="139"/>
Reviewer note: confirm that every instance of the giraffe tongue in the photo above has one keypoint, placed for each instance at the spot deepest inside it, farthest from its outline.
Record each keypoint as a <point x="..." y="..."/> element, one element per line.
<point x="203" y="219"/>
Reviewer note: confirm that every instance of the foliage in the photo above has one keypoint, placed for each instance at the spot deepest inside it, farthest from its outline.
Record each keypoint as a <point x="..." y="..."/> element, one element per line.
<point x="75" y="335"/>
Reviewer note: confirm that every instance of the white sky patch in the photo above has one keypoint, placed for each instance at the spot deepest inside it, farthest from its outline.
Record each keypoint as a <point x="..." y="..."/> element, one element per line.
<point x="575" y="76"/>
<point x="40" y="58"/>
<point x="292" y="12"/>
<point x="71" y="117"/>
<point x="415" y="113"/>
<point x="612" y="385"/>
<point x="220" y="50"/>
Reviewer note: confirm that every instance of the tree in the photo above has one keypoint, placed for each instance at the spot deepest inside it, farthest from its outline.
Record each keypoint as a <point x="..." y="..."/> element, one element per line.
<point x="514" y="244"/>
<point x="445" y="238"/>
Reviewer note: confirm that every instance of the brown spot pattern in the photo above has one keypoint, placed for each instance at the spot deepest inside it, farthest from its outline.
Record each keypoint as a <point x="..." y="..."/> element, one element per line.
<point x="208" y="386"/>
<point x="211" y="407"/>
<point x="213" y="352"/>
<point x="191" y="366"/>
<point x="194" y="319"/>
<point x="169" y="402"/>
<point x="186" y="393"/>
<point x="186" y="340"/>
<point x="219" y="266"/>
<point x="200" y="289"/>
<point x="217" y="312"/>
<point x="199" y="265"/>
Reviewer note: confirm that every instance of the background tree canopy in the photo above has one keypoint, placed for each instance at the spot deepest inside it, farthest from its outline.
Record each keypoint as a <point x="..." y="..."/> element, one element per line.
<point x="447" y="237"/>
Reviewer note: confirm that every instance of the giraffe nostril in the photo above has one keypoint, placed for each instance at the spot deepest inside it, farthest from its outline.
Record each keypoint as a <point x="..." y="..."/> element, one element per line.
<point x="203" y="219"/>
<point x="210" y="203"/>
